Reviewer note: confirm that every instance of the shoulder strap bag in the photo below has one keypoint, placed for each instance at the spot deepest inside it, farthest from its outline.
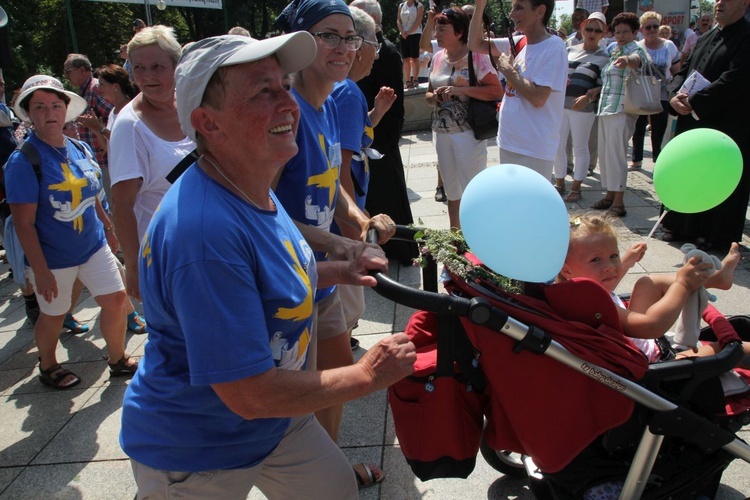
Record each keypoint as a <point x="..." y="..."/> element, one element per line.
<point x="643" y="92"/>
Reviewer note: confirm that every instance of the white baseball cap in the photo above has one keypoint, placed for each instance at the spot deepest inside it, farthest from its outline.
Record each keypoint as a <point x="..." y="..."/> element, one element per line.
<point x="200" y="60"/>
<point x="76" y="106"/>
<point x="596" y="16"/>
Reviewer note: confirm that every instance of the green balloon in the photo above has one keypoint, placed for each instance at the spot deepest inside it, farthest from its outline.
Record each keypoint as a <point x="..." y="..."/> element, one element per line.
<point x="697" y="170"/>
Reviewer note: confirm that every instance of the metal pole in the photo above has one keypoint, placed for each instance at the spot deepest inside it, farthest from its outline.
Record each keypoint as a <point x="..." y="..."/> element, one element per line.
<point x="148" y="13"/>
<point x="226" y="15"/>
<point x="72" y="27"/>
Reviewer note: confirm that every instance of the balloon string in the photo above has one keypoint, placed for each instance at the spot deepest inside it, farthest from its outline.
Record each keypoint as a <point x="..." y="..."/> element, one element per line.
<point x="658" y="221"/>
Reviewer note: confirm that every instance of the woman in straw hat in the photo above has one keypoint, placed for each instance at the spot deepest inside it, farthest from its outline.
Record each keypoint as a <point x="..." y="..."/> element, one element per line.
<point x="63" y="229"/>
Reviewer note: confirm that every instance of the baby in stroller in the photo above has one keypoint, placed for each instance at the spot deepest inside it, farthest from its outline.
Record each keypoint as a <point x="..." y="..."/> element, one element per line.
<point x="558" y="350"/>
<point x="656" y="300"/>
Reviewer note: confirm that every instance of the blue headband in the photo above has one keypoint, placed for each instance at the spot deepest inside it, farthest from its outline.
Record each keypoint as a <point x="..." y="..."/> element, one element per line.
<point x="300" y="15"/>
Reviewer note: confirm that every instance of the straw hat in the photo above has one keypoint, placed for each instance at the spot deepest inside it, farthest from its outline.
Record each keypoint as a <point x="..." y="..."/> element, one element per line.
<point x="76" y="106"/>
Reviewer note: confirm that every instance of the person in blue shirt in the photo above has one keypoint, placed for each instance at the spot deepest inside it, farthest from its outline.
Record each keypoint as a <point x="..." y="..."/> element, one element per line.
<point x="224" y="395"/>
<point x="63" y="228"/>
<point x="309" y="185"/>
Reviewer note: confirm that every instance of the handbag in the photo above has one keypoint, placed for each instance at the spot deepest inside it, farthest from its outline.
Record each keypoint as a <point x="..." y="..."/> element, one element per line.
<point x="643" y="92"/>
<point x="482" y="115"/>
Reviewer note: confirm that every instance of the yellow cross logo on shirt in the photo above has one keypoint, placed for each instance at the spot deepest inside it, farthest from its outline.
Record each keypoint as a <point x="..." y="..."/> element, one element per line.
<point x="75" y="186"/>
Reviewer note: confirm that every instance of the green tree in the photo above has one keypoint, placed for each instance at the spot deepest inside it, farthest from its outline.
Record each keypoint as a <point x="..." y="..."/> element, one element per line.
<point x="566" y="23"/>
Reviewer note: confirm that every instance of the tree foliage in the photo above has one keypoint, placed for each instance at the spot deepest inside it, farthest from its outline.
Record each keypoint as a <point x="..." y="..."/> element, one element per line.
<point x="41" y="37"/>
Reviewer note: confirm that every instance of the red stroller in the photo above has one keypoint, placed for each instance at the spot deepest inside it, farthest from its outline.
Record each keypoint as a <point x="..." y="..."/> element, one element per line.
<point x="549" y="377"/>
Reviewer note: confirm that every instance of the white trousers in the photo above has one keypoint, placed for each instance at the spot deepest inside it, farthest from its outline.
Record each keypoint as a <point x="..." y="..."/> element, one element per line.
<point x="578" y="125"/>
<point x="614" y="133"/>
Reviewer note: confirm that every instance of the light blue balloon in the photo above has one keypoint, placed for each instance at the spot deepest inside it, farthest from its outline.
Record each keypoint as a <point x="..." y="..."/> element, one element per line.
<point x="515" y="221"/>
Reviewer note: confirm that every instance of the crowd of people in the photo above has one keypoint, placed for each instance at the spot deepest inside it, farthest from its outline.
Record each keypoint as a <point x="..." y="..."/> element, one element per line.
<point x="563" y="99"/>
<point x="241" y="194"/>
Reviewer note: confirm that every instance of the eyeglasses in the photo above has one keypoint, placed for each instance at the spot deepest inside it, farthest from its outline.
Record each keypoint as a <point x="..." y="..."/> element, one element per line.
<point x="449" y="13"/>
<point x="621" y="33"/>
<point x="374" y="44"/>
<point x="593" y="30"/>
<point x="67" y="71"/>
<point x="649" y="27"/>
<point x="332" y="40"/>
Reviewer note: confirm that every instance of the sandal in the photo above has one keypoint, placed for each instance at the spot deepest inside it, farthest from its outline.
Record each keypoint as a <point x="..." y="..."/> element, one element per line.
<point x="368" y="474"/>
<point x="573" y="196"/>
<point x="617" y="210"/>
<point x="636" y="165"/>
<point x="121" y="368"/>
<point x="602" y="204"/>
<point x="354" y="343"/>
<point x="54" y="376"/>
<point x="136" y="323"/>
<point x="560" y="189"/>
<point x="440" y="194"/>
<point x="74" y="326"/>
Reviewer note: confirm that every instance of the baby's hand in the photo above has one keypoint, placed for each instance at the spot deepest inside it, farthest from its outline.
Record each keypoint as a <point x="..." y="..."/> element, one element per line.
<point x="693" y="274"/>
<point x="633" y="254"/>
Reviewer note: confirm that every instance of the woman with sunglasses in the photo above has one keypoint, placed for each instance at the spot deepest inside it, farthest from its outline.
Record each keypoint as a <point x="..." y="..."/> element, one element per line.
<point x="309" y="184"/>
<point x="460" y="155"/>
<point x="532" y="109"/>
<point x="585" y="63"/>
<point x="666" y="59"/>
<point x="615" y="126"/>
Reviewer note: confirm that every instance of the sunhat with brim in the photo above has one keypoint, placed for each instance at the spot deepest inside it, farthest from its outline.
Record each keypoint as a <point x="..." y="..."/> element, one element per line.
<point x="596" y="16"/>
<point x="201" y="59"/>
<point x="76" y="106"/>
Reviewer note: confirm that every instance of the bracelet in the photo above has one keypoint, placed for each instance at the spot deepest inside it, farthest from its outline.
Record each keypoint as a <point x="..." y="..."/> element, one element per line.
<point x="108" y="228"/>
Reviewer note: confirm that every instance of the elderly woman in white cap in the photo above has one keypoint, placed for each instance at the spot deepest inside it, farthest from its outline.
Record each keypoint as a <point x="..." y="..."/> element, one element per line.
<point x="222" y="401"/>
<point x="62" y="227"/>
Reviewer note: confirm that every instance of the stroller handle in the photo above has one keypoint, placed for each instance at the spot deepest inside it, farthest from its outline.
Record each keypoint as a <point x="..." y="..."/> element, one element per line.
<point x="414" y="297"/>
<point x="478" y="310"/>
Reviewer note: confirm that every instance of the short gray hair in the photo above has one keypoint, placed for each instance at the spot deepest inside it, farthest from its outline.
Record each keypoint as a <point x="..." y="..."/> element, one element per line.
<point x="163" y="36"/>
<point x="364" y="24"/>
<point x="78" y="61"/>
<point x="373" y="8"/>
<point x="238" y="30"/>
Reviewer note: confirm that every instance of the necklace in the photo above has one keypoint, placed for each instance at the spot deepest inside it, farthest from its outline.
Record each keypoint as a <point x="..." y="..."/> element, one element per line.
<point x="65" y="156"/>
<point x="221" y="173"/>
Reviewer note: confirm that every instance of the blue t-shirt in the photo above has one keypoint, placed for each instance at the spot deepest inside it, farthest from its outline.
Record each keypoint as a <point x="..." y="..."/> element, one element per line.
<point x="356" y="132"/>
<point x="228" y="292"/>
<point x="309" y="185"/>
<point x="67" y="226"/>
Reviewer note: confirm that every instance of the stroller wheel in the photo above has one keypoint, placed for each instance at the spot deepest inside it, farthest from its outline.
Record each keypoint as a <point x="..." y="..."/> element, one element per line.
<point x="507" y="462"/>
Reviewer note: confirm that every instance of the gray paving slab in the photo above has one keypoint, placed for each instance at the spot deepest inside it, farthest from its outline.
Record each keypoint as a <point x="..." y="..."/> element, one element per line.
<point x="75" y="442"/>
<point x="73" y="481"/>
<point x="31" y="421"/>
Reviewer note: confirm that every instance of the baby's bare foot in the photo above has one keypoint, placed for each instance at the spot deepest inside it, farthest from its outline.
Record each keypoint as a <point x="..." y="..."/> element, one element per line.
<point x="724" y="279"/>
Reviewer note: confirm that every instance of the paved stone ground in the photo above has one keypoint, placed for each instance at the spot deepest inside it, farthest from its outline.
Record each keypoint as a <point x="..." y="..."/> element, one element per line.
<point x="63" y="445"/>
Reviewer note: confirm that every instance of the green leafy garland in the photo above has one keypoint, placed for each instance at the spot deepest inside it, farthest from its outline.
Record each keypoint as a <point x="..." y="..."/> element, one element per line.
<point x="449" y="247"/>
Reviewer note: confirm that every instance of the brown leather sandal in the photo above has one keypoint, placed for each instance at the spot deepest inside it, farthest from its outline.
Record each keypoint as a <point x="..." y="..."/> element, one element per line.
<point x="121" y="368"/>
<point x="54" y="376"/>
<point x="602" y="204"/>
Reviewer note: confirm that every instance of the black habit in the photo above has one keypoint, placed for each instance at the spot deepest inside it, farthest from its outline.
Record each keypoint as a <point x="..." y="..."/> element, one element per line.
<point x="722" y="56"/>
<point x="386" y="193"/>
